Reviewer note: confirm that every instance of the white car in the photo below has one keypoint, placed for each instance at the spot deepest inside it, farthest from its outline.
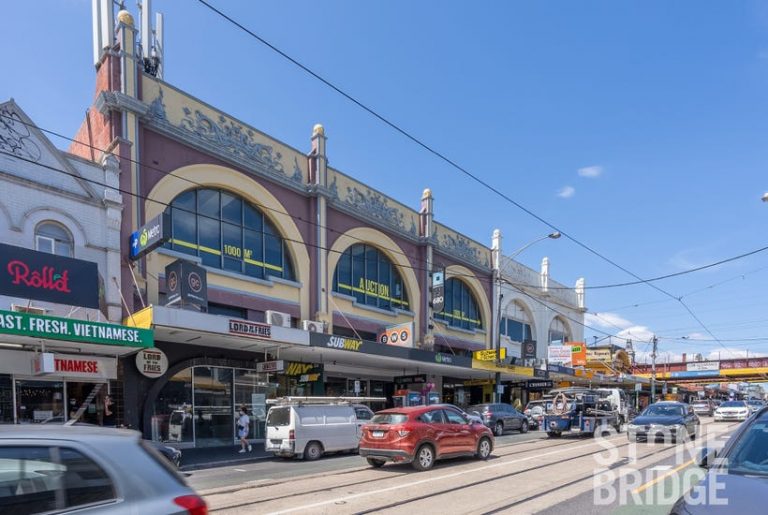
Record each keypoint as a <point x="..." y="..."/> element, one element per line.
<point x="732" y="410"/>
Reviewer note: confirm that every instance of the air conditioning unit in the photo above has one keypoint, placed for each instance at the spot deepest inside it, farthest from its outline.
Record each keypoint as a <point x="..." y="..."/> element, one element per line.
<point x="32" y="310"/>
<point x="312" y="326"/>
<point x="277" y="318"/>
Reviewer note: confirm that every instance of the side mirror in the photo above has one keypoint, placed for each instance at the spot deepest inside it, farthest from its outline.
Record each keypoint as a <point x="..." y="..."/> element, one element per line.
<point x="705" y="457"/>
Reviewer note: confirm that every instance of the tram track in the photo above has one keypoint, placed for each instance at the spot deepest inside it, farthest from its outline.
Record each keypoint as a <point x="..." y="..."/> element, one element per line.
<point x="377" y="479"/>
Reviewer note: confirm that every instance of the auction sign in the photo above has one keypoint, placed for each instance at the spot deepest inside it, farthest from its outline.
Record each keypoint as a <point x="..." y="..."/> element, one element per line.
<point x="30" y="274"/>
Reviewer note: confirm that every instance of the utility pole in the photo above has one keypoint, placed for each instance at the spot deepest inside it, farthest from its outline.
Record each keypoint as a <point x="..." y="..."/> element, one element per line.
<point x="653" y="370"/>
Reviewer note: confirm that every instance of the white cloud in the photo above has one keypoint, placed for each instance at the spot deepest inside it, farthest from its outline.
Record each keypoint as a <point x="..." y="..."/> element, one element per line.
<point x="607" y="321"/>
<point x="566" y="192"/>
<point x="591" y="172"/>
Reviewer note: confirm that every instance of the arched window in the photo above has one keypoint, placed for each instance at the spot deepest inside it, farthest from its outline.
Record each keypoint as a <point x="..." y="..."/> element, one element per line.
<point x="460" y="306"/>
<point x="558" y="332"/>
<point x="516" y="324"/>
<point x="364" y="272"/>
<point x="53" y="238"/>
<point x="228" y="232"/>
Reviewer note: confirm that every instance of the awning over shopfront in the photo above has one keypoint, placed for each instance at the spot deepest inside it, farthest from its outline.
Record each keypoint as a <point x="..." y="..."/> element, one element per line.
<point x="27" y="331"/>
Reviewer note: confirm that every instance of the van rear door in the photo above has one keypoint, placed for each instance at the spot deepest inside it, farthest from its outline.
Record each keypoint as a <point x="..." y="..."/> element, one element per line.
<point x="278" y="424"/>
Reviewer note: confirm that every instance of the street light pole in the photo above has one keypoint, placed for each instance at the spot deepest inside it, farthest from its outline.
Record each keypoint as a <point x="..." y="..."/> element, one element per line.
<point x="653" y="370"/>
<point x="499" y="280"/>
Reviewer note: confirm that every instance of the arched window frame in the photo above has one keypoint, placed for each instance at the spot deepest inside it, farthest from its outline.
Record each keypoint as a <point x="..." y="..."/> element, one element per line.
<point x="516" y="323"/>
<point x="558" y="332"/>
<point x="238" y="236"/>
<point x="54" y="238"/>
<point x="367" y="274"/>
<point x="461" y="308"/>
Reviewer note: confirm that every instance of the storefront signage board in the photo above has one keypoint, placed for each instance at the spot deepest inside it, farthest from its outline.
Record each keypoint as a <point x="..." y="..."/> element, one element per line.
<point x="559" y="354"/>
<point x="81" y="331"/>
<point x="400" y="335"/>
<point x="149" y="236"/>
<point x="578" y="354"/>
<point x="187" y="284"/>
<point x="30" y="274"/>
<point x="438" y="291"/>
<point x="489" y="354"/>
<point x="529" y="349"/>
<point x="270" y="366"/>
<point x="142" y="318"/>
<point x="152" y="363"/>
<point x="250" y="329"/>
<point x="414" y="379"/>
<point x="698" y="366"/>
<point x="599" y="355"/>
<point x="69" y="366"/>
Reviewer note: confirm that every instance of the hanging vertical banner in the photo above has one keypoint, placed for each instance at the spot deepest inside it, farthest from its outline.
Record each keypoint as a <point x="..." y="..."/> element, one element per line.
<point x="438" y="291"/>
<point x="400" y="335"/>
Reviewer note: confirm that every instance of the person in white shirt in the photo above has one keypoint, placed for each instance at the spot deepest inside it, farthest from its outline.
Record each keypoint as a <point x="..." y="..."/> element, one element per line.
<point x="243" y="428"/>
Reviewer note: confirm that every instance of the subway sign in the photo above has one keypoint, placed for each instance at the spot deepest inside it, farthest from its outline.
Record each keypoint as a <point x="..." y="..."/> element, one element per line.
<point x="81" y="331"/>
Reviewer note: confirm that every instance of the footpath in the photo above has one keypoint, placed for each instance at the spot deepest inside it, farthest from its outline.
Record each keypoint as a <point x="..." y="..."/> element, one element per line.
<point x="208" y="457"/>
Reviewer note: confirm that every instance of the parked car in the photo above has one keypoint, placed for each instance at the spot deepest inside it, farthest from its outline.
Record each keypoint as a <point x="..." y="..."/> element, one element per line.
<point x="470" y="416"/>
<point x="704" y="407"/>
<point x="170" y="453"/>
<point x="732" y="410"/>
<point x="309" y="430"/>
<point x="666" y="419"/>
<point x="535" y="410"/>
<point x="755" y="405"/>
<point x="737" y="475"/>
<point x="422" y="434"/>
<point x="46" y="468"/>
<point x="500" y="417"/>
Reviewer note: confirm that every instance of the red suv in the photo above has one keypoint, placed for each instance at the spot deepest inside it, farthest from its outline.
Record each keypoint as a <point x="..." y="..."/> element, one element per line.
<point x="422" y="434"/>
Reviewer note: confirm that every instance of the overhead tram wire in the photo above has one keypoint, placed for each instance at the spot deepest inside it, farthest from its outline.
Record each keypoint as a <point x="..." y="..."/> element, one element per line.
<point x="446" y="159"/>
<point x="317" y="225"/>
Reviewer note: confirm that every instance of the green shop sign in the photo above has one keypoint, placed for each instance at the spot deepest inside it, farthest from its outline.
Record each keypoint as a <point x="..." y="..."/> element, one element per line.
<point x="55" y="328"/>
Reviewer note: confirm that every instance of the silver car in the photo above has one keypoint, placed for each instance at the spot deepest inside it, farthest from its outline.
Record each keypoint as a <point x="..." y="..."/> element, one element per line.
<point x="46" y="468"/>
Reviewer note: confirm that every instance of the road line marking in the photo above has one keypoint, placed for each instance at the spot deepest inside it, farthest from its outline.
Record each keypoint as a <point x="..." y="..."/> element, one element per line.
<point x="662" y="477"/>
<point x="661" y="467"/>
<point x="240" y="470"/>
<point x="436" y="478"/>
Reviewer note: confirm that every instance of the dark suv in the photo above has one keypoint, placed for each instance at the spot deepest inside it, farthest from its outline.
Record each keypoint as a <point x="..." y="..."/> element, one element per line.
<point x="499" y="417"/>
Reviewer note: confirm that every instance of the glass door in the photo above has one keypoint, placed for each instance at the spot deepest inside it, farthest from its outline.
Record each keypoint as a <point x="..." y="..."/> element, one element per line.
<point x="214" y="414"/>
<point x="40" y="402"/>
<point x="252" y="392"/>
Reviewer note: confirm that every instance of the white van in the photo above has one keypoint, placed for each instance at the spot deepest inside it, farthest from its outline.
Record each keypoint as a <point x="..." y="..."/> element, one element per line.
<point x="308" y="429"/>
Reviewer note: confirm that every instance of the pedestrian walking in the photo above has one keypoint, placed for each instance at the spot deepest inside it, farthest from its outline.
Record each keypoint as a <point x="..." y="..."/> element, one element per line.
<point x="243" y="428"/>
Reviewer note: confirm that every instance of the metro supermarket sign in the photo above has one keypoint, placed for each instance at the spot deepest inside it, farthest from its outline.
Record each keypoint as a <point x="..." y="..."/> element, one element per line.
<point x="82" y="331"/>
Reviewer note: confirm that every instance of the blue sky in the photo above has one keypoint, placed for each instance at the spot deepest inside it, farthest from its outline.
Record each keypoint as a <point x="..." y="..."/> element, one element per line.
<point x="661" y="105"/>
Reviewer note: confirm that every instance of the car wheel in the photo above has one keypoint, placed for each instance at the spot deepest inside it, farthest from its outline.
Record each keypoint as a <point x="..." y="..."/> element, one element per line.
<point x="425" y="458"/>
<point x="498" y="429"/>
<point x="524" y="426"/>
<point x="313" y="451"/>
<point x="377" y="464"/>
<point x="177" y="460"/>
<point x="484" y="448"/>
<point x="554" y="434"/>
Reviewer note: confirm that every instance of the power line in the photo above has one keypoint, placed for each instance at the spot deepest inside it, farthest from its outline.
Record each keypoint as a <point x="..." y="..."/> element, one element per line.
<point x="444" y="158"/>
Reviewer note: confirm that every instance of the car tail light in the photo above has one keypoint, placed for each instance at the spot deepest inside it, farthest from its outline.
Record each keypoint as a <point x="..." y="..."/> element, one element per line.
<point x="403" y="432"/>
<point x="194" y="504"/>
<point x="291" y="434"/>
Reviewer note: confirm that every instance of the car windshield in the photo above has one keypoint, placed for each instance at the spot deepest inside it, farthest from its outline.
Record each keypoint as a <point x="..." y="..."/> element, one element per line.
<point x="733" y="404"/>
<point x="749" y="455"/>
<point x="755" y="403"/>
<point x="663" y="411"/>
<point x="389" y="418"/>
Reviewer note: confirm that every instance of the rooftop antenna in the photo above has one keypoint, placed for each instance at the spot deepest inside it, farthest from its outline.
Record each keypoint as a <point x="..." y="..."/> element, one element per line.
<point x="103" y="12"/>
<point x="159" y="47"/>
<point x="151" y="40"/>
<point x="145" y="11"/>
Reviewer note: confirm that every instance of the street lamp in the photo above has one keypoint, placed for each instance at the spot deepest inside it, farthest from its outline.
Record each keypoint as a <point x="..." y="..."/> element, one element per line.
<point x="499" y="281"/>
<point x="765" y="196"/>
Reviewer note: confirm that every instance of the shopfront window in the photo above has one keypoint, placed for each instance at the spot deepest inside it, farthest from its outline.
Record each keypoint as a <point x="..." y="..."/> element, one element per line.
<point x="461" y="309"/>
<point x="227" y="232"/>
<point x="213" y="410"/>
<point x="6" y="399"/>
<point x="366" y="274"/>
<point x="516" y="324"/>
<point x="558" y="332"/>
<point x="40" y="402"/>
<point x="172" y="420"/>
